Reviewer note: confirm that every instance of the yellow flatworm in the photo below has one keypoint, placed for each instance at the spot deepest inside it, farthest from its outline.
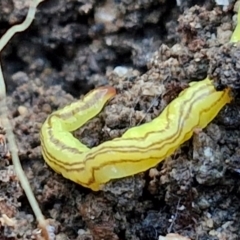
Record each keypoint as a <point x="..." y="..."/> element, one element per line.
<point x="139" y="148"/>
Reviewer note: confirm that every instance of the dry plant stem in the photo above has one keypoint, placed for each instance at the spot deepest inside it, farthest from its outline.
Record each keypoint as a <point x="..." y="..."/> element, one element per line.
<point x="7" y="125"/>
<point x="20" y="27"/>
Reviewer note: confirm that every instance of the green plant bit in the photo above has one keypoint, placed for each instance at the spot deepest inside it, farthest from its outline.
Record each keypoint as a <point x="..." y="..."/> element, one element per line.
<point x="236" y="33"/>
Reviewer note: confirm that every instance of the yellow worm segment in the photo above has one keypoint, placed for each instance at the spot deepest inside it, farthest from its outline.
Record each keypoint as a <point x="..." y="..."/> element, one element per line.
<point x="139" y="148"/>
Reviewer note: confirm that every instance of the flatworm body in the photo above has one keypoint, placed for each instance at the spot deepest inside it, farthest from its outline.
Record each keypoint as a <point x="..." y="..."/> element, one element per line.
<point x="139" y="148"/>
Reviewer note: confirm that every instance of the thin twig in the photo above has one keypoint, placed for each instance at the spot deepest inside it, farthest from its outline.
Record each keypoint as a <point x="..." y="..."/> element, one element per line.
<point x="7" y="125"/>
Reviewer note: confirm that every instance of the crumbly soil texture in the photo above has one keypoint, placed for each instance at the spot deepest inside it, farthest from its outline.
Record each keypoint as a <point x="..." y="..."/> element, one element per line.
<point x="149" y="50"/>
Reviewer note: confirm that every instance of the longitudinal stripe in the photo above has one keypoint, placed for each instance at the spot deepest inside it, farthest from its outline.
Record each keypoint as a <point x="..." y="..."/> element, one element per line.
<point x="139" y="148"/>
